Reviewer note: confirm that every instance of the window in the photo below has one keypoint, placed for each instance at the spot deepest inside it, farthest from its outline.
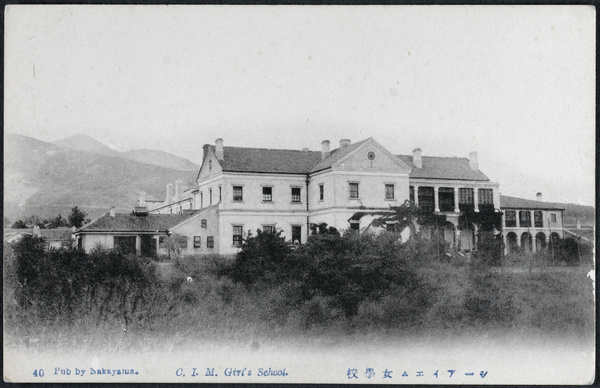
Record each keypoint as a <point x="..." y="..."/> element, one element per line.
<point x="538" y="221"/>
<point x="183" y="243"/>
<point x="510" y="218"/>
<point x="237" y="235"/>
<point x="268" y="228"/>
<point x="162" y="242"/>
<point x="220" y="193"/>
<point x="552" y="217"/>
<point x="524" y="218"/>
<point x="486" y="200"/>
<point x="354" y="226"/>
<point x="210" y="165"/>
<point x="465" y="196"/>
<point x="411" y="194"/>
<point x="238" y="193"/>
<point x="426" y="201"/>
<point x="486" y="196"/>
<point x="210" y="196"/>
<point x="296" y="234"/>
<point x="125" y="244"/>
<point x="197" y="241"/>
<point x="446" y="199"/>
<point x="353" y="190"/>
<point x="203" y="223"/>
<point x="210" y="242"/>
<point x="267" y="194"/>
<point x="389" y="191"/>
<point x="321" y="193"/>
<point x="201" y="200"/>
<point x="295" y="194"/>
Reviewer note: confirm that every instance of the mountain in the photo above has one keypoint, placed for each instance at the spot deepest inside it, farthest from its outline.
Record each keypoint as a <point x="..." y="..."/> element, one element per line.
<point x="573" y="212"/>
<point x="81" y="142"/>
<point x="161" y="158"/>
<point x="47" y="179"/>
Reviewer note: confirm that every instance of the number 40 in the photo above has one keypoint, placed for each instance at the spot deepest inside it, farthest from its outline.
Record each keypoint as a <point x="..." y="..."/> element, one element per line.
<point x="38" y="373"/>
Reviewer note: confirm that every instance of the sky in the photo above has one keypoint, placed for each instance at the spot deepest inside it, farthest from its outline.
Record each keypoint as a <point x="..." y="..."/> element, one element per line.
<point x="514" y="83"/>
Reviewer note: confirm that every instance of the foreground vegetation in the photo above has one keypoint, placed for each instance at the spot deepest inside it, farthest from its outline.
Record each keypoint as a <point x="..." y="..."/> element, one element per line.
<point x="332" y="286"/>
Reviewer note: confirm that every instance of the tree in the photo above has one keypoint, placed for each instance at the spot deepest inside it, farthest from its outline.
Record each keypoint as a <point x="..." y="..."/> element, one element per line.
<point x="19" y="225"/>
<point x="58" y="222"/>
<point x="77" y="217"/>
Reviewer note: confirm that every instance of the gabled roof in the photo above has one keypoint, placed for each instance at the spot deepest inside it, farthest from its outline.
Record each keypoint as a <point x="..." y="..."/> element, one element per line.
<point x="435" y="167"/>
<point x="55" y="234"/>
<point x="240" y="159"/>
<point x="130" y="223"/>
<point x="335" y="156"/>
<point x="507" y="202"/>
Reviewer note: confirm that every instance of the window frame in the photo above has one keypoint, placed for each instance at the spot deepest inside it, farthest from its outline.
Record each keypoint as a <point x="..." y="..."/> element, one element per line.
<point x="353" y="194"/>
<point x="296" y="198"/>
<point x="197" y="241"/>
<point x="321" y="192"/>
<point x="513" y="221"/>
<point x="239" y="198"/>
<point x="393" y="191"/>
<point x="237" y="238"/>
<point x="538" y="215"/>
<point x="524" y="222"/>
<point x="210" y="241"/>
<point x="269" y="195"/>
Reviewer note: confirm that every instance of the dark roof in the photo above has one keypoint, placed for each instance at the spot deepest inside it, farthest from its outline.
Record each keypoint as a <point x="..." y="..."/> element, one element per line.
<point x="335" y="155"/>
<point x="268" y="160"/>
<point x="58" y="234"/>
<point x="128" y="222"/>
<point x="507" y="202"/>
<point x="435" y="167"/>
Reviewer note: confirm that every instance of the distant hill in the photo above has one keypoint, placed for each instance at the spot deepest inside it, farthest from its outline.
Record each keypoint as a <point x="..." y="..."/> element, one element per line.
<point x="46" y="179"/>
<point x="573" y="212"/>
<point x="81" y="142"/>
<point x="161" y="158"/>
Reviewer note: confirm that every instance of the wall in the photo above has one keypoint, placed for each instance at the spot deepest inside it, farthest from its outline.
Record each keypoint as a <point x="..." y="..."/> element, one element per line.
<point x="193" y="227"/>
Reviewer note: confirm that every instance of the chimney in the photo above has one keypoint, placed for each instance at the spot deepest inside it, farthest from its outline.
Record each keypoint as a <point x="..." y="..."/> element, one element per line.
<point x="578" y="224"/>
<point x="142" y="201"/>
<point x="112" y="212"/>
<point x="344" y="143"/>
<point x="324" y="149"/>
<point x="205" y="151"/>
<point x="219" y="148"/>
<point x="473" y="162"/>
<point x="170" y="193"/>
<point x="539" y="197"/>
<point x="178" y="190"/>
<point x="417" y="161"/>
<point x="304" y="149"/>
<point x="73" y="229"/>
<point x="36" y="231"/>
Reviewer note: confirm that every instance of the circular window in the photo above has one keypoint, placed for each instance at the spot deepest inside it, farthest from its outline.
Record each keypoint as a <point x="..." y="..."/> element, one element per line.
<point x="371" y="155"/>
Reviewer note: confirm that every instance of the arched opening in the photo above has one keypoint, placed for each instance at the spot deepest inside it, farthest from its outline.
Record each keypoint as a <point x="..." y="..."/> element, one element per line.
<point x="526" y="242"/>
<point x="540" y="242"/>
<point x="448" y="230"/>
<point x="467" y="237"/>
<point x="511" y="242"/>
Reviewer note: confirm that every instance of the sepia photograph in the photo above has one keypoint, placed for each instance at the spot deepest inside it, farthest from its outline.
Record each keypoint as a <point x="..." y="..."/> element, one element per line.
<point x="375" y="194"/>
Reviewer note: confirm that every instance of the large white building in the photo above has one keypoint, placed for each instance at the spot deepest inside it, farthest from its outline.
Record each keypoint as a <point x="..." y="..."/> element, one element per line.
<point x="288" y="190"/>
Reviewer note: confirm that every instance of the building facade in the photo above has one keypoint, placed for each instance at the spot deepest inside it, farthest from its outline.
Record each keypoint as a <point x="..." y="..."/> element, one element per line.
<point x="530" y="225"/>
<point x="289" y="190"/>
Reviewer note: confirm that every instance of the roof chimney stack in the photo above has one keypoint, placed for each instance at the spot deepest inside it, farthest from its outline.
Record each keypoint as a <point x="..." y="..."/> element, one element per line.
<point x="344" y="143"/>
<point x="112" y="212"/>
<point x="170" y="192"/>
<point x="37" y="231"/>
<point x="142" y="201"/>
<point x="417" y="161"/>
<point x="324" y="149"/>
<point x="473" y="162"/>
<point x="219" y="148"/>
<point x="539" y="197"/>
<point x="178" y="190"/>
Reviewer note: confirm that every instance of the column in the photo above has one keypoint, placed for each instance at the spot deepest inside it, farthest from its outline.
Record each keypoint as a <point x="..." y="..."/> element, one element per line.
<point x="518" y="241"/>
<point x="436" y="199"/>
<point x="457" y="239"/>
<point x="138" y="245"/>
<point x="505" y="242"/>
<point x="416" y="188"/>
<point x="476" y="198"/>
<point x="456" y="208"/>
